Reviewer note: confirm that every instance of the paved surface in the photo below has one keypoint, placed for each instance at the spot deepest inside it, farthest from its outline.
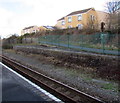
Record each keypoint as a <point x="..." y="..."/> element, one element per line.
<point x="15" y="89"/>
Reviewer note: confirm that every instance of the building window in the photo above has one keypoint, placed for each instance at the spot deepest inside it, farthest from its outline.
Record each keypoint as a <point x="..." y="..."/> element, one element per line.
<point x="63" y="22"/>
<point x="69" y="19"/>
<point x="34" y="31"/>
<point x="80" y="17"/>
<point x="92" y="17"/>
<point x="80" y="26"/>
<point x="69" y="26"/>
<point x="26" y="31"/>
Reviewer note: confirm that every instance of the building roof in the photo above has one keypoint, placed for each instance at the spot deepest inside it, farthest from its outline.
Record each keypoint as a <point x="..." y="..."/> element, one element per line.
<point x="80" y="11"/>
<point x="102" y="12"/>
<point x="76" y="12"/>
<point x="28" y="27"/>
<point x="61" y="19"/>
<point x="49" y="27"/>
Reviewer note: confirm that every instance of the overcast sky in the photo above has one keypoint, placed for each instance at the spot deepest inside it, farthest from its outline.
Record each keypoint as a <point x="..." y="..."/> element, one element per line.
<point x="17" y="14"/>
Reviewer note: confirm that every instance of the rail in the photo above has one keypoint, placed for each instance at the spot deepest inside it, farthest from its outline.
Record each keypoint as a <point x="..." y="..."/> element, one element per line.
<point x="64" y="92"/>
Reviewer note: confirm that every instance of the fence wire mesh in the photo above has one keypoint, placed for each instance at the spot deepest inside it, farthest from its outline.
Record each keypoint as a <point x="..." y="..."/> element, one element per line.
<point x="102" y="43"/>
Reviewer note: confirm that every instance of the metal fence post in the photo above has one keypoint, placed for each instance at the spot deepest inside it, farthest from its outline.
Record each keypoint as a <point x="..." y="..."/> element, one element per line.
<point x="45" y="40"/>
<point x="38" y="40"/>
<point x="82" y="40"/>
<point x="58" y="40"/>
<point x="68" y="39"/>
<point x="52" y="39"/>
<point x="102" y="42"/>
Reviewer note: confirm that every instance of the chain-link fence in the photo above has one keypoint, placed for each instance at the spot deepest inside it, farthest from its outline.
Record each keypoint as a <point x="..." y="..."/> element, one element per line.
<point x="101" y="43"/>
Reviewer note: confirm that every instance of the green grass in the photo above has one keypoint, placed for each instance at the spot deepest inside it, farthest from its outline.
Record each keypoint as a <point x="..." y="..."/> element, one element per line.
<point x="26" y="44"/>
<point x="87" y="76"/>
<point x="88" y="45"/>
<point x="110" y="86"/>
<point x="90" y="41"/>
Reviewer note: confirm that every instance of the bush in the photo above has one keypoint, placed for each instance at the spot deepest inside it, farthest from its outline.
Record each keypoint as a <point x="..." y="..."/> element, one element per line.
<point x="7" y="46"/>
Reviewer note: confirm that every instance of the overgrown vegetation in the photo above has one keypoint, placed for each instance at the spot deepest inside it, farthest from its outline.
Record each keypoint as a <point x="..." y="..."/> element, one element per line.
<point x="8" y="43"/>
<point x="112" y="7"/>
<point x="7" y="46"/>
<point x="78" y="40"/>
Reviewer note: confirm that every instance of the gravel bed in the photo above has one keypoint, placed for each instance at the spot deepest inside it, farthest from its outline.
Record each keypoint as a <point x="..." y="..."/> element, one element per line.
<point x="66" y="75"/>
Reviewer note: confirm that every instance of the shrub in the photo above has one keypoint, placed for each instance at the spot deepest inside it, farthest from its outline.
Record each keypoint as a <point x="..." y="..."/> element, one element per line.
<point x="7" y="46"/>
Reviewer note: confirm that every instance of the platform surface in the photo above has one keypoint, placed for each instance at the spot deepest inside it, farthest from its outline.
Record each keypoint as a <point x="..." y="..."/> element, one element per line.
<point x="16" y="89"/>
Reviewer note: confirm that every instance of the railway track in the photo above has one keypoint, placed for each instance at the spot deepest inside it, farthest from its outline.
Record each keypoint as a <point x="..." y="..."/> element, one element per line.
<point x="66" y="93"/>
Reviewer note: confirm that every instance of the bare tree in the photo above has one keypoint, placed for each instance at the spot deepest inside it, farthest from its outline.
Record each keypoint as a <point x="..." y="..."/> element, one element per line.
<point x="112" y="7"/>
